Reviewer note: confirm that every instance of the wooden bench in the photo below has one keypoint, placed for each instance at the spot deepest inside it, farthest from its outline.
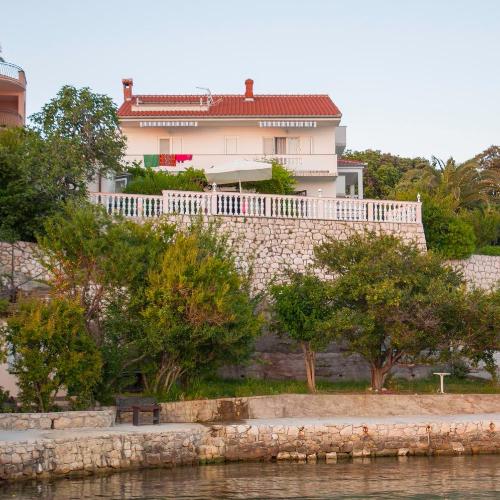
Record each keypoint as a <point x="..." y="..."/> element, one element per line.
<point x="136" y="405"/>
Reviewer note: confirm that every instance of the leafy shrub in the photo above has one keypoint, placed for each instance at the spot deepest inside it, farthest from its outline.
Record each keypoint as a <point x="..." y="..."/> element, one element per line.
<point x="486" y="225"/>
<point x="489" y="250"/>
<point x="446" y="233"/>
<point x="199" y="312"/>
<point x="52" y="351"/>
<point x="151" y="182"/>
<point x="282" y="182"/>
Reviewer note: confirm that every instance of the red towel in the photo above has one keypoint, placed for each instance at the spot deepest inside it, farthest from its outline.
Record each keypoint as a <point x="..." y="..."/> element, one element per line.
<point x="167" y="160"/>
<point x="183" y="158"/>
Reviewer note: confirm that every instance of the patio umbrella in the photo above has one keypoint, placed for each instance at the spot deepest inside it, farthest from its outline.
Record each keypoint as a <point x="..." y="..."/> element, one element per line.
<point x="239" y="171"/>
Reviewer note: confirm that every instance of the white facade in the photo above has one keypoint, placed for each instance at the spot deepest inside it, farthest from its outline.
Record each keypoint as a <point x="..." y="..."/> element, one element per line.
<point x="307" y="145"/>
<point x="309" y="152"/>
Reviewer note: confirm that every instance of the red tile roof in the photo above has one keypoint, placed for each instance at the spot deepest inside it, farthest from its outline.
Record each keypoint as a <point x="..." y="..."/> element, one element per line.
<point x="235" y="105"/>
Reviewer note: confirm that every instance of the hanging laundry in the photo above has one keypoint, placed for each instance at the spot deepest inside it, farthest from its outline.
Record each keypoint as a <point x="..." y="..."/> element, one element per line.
<point x="151" y="161"/>
<point x="183" y="158"/>
<point x="167" y="160"/>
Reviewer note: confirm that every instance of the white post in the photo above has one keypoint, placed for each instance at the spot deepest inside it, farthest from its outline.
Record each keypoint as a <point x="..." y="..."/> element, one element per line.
<point x="166" y="208"/>
<point x="441" y="377"/>
<point x="360" y="185"/>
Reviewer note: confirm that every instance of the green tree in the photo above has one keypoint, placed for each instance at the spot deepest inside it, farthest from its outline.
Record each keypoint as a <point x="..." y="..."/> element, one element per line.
<point x="103" y="263"/>
<point x="199" y="312"/>
<point x="282" y="182"/>
<point x="36" y="176"/>
<point x="301" y="309"/>
<point x="472" y="324"/>
<point x="387" y="298"/>
<point x="384" y="170"/>
<point x="445" y="232"/>
<point x="51" y="352"/>
<point x="89" y="122"/>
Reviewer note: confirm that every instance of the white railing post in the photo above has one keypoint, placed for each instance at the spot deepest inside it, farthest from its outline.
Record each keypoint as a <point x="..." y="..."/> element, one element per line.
<point x="212" y="205"/>
<point x="370" y="211"/>
<point x="418" y="212"/>
<point x="166" y="207"/>
<point x="268" y="200"/>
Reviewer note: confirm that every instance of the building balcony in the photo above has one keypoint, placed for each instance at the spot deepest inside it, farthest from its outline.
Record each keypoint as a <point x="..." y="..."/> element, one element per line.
<point x="12" y="77"/>
<point x="312" y="165"/>
<point x="10" y="118"/>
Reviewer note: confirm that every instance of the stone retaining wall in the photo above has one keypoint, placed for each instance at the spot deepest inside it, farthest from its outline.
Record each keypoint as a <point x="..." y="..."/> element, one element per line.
<point x="481" y="271"/>
<point x="265" y="441"/>
<point x="57" y="420"/>
<point x="328" y="405"/>
<point x="272" y="245"/>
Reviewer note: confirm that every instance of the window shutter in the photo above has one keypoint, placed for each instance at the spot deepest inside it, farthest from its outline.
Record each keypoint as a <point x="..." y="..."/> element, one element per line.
<point x="268" y="145"/>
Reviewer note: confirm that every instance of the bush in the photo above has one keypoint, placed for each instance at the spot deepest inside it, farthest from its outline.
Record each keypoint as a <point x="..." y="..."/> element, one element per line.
<point x="486" y="225"/>
<point x="445" y="232"/>
<point x="282" y="182"/>
<point x="147" y="181"/>
<point x="52" y="352"/>
<point x="199" y="313"/>
<point x="489" y="250"/>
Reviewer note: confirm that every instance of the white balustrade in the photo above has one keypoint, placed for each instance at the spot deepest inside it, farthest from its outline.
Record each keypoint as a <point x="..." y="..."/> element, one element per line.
<point x="259" y="205"/>
<point x="141" y="206"/>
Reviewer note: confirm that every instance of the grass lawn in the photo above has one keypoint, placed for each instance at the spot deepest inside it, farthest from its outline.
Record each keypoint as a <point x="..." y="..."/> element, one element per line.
<point x="218" y="388"/>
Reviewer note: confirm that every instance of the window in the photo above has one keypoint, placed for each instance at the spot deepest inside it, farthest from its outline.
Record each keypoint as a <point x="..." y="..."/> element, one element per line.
<point x="281" y="145"/>
<point x="164" y="146"/>
<point x="231" y="145"/>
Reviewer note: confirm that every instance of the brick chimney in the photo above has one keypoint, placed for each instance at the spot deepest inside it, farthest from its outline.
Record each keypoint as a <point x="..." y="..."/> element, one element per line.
<point x="128" y="83"/>
<point x="248" y="89"/>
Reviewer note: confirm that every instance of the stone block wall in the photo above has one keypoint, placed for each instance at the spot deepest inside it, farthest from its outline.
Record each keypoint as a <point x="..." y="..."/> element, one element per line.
<point x="281" y="440"/>
<point x="57" y="420"/>
<point x="480" y="271"/>
<point x="24" y="257"/>
<point x="270" y="246"/>
<point x="327" y="405"/>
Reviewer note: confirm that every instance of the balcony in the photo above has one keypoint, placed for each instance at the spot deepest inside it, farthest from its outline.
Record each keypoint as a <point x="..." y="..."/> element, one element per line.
<point x="10" y="118"/>
<point x="301" y="165"/>
<point x="232" y="204"/>
<point x="12" y="77"/>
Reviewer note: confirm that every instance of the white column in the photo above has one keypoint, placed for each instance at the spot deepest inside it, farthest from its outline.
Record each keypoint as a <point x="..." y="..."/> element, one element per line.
<point x="360" y="185"/>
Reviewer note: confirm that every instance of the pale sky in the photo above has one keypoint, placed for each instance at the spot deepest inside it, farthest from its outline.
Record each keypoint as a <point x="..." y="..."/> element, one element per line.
<point x="418" y="77"/>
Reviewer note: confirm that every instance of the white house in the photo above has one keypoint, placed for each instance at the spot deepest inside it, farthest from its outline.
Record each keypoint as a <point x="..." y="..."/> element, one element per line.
<point x="302" y="132"/>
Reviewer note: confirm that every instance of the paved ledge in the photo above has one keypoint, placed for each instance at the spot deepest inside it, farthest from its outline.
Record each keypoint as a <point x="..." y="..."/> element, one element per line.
<point x="51" y="453"/>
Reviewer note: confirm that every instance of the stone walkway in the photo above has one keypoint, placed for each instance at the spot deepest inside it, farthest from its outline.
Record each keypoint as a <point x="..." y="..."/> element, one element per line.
<point x="120" y="429"/>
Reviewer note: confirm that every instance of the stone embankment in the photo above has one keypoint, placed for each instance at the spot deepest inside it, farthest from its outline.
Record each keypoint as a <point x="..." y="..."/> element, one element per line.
<point x="327" y="406"/>
<point x="56" y="453"/>
<point x="57" y="420"/>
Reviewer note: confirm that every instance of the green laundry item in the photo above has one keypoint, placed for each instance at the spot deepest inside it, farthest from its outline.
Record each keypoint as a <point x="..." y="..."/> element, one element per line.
<point x="151" y="161"/>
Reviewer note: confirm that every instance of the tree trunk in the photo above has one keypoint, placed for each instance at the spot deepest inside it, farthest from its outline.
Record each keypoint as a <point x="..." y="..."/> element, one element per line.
<point x="310" y="362"/>
<point x="378" y="376"/>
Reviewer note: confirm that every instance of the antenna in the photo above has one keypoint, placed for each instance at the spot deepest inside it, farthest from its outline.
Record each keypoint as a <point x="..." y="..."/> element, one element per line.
<point x="209" y="98"/>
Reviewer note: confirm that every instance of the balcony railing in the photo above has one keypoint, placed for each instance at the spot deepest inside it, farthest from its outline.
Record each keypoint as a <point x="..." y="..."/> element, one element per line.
<point x="259" y="205"/>
<point x="8" y="70"/>
<point x="10" y="118"/>
<point x="301" y="164"/>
